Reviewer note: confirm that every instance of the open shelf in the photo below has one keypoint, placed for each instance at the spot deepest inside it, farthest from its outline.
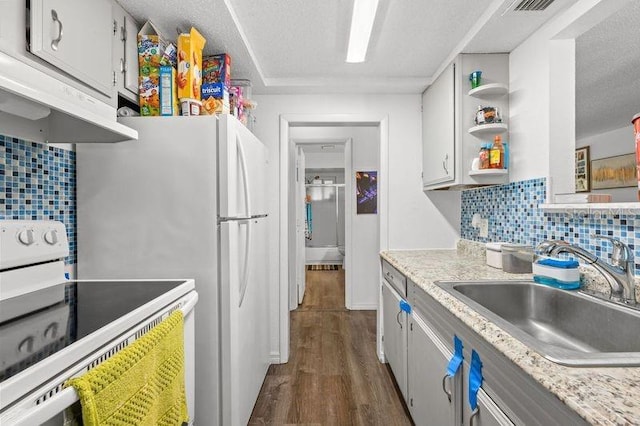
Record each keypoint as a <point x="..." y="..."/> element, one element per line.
<point x="489" y="90"/>
<point x="613" y="208"/>
<point x="484" y="130"/>
<point x="488" y="172"/>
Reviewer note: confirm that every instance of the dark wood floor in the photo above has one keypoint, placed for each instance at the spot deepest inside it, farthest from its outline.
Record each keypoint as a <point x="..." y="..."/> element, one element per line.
<point x="333" y="376"/>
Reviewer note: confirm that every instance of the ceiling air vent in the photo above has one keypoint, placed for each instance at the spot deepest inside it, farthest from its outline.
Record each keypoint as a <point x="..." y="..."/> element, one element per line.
<point x="531" y="5"/>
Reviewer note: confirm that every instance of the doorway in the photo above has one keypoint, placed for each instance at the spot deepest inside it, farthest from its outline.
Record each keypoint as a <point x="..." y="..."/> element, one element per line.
<point x="321" y="218"/>
<point x="376" y="126"/>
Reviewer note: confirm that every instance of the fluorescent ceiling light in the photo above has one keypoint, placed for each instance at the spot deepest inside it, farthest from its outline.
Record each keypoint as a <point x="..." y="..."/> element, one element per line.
<point x="364" y="13"/>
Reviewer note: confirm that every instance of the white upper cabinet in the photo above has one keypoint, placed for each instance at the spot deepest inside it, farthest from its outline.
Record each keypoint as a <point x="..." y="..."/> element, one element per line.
<point x="438" y="130"/>
<point x="75" y="36"/>
<point x="125" y="53"/>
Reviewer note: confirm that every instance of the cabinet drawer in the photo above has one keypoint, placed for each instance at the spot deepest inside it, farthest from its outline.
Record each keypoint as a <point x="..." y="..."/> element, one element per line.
<point x="394" y="278"/>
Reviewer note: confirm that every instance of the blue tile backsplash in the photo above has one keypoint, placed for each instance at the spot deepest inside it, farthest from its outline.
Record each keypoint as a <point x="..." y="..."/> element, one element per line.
<point x="38" y="182"/>
<point x="514" y="216"/>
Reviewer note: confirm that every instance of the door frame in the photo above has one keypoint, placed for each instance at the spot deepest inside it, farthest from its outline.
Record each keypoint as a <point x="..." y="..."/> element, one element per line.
<point x="348" y="188"/>
<point x="286" y="154"/>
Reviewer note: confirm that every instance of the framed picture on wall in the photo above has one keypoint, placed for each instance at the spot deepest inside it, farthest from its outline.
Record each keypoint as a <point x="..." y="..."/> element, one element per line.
<point x="367" y="192"/>
<point x="583" y="172"/>
<point x="614" y="172"/>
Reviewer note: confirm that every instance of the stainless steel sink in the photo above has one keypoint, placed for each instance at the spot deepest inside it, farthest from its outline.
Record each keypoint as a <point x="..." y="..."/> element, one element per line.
<point x="566" y="327"/>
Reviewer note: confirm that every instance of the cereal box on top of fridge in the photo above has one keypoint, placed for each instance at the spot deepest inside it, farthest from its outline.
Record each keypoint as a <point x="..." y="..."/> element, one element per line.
<point x="151" y="46"/>
<point x="149" y="90"/>
<point x="217" y="69"/>
<point x="189" y="77"/>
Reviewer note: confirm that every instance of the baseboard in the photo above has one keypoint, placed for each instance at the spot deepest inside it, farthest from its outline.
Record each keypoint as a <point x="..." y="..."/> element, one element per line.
<point x="364" y="307"/>
<point x="274" y="358"/>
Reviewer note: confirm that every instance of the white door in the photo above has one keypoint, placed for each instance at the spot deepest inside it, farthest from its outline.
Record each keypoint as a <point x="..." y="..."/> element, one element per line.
<point x="245" y="316"/>
<point x="75" y="36"/>
<point x="301" y="216"/>
<point x="243" y="161"/>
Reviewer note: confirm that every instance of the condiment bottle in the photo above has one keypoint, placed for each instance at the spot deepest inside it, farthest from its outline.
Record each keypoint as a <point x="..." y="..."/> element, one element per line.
<point x="496" y="155"/>
<point x="484" y="156"/>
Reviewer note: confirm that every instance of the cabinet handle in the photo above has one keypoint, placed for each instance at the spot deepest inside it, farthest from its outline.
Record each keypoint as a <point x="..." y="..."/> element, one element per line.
<point x="122" y="66"/>
<point x="56" y="41"/>
<point x="444" y="386"/>
<point x="445" y="164"/>
<point x="398" y="319"/>
<point x="473" y="415"/>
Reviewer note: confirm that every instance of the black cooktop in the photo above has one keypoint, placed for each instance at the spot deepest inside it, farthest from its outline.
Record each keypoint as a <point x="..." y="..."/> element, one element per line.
<point x="86" y="307"/>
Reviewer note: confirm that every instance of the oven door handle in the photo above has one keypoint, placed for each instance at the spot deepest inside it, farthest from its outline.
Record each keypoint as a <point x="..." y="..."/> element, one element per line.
<point x="67" y="397"/>
<point x="44" y="412"/>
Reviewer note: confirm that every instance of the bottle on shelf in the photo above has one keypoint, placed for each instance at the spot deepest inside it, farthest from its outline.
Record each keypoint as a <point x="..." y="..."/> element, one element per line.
<point x="484" y="156"/>
<point x="496" y="155"/>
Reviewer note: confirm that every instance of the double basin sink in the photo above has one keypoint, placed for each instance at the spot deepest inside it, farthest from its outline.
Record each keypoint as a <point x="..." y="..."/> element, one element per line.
<point x="567" y="327"/>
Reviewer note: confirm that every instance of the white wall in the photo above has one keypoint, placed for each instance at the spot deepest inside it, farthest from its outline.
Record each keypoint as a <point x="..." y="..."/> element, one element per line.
<point x="415" y="220"/>
<point x="542" y="95"/>
<point x="609" y="144"/>
<point x="323" y="160"/>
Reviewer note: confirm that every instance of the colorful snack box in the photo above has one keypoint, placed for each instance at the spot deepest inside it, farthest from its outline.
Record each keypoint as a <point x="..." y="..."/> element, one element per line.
<point x="189" y="77"/>
<point x="158" y="94"/>
<point x="170" y="56"/>
<point x="149" y="92"/>
<point x="168" y="91"/>
<point x="151" y="46"/>
<point x="217" y="69"/>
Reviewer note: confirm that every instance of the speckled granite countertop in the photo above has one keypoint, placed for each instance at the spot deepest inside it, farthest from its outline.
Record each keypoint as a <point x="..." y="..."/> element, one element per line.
<point x="602" y="396"/>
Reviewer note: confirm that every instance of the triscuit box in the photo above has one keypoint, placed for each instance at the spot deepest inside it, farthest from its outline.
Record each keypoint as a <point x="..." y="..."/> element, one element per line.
<point x="215" y="99"/>
<point x="151" y="46"/>
<point x="211" y="106"/>
<point x="168" y="91"/>
<point x="189" y="77"/>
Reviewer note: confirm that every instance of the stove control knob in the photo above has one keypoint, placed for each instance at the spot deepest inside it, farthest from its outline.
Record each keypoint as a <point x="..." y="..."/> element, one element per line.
<point x="51" y="332"/>
<point x="26" y="346"/>
<point x="26" y="237"/>
<point x="51" y="237"/>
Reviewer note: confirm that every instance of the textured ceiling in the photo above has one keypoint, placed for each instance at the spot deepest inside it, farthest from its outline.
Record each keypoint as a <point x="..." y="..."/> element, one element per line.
<point x="299" y="46"/>
<point x="608" y="73"/>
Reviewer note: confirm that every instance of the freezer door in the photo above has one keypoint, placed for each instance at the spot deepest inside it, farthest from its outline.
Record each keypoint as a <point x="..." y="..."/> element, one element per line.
<point x="245" y="316"/>
<point x="242" y="163"/>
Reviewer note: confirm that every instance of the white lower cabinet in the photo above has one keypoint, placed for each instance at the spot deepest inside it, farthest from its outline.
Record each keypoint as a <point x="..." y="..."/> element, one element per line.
<point x="486" y="414"/>
<point x="434" y="397"/>
<point x="395" y="336"/>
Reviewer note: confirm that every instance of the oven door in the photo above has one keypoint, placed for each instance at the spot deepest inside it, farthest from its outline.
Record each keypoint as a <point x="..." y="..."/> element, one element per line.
<point x="47" y="404"/>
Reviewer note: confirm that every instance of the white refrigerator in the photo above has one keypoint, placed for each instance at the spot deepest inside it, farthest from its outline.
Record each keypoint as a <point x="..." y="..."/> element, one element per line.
<point x="187" y="200"/>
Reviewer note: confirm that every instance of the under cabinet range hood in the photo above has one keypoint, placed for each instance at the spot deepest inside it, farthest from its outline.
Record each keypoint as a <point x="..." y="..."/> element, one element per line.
<point x="37" y="107"/>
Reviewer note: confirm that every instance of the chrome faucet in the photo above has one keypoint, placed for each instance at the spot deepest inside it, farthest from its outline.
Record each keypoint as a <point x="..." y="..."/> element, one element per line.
<point x="619" y="273"/>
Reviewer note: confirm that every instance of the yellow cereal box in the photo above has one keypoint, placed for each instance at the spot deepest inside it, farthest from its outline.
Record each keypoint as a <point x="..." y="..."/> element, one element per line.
<point x="189" y="78"/>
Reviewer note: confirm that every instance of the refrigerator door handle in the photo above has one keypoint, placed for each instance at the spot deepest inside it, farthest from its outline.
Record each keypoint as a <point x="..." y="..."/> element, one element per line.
<point x="244" y="282"/>
<point x="245" y="176"/>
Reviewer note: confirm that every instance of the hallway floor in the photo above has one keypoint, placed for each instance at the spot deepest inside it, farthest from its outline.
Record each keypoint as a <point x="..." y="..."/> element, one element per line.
<point x="333" y="376"/>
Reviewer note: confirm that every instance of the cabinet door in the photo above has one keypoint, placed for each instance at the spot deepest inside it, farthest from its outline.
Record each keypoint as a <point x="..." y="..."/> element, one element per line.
<point x="395" y="336"/>
<point x="131" y="55"/>
<point x="438" y="130"/>
<point x="428" y="356"/>
<point x="488" y="412"/>
<point x="75" y="36"/>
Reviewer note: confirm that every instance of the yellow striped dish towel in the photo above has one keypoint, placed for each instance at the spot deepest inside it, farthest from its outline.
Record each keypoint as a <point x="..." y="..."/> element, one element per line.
<point x="143" y="384"/>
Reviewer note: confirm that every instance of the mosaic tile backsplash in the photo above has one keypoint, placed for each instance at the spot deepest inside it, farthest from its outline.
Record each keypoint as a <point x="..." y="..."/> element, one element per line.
<point x="514" y="216"/>
<point x="38" y="182"/>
